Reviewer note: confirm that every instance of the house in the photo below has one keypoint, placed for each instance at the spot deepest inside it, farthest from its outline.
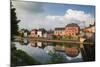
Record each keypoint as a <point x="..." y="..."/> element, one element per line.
<point x="42" y="33"/>
<point x="72" y="29"/>
<point x="45" y="34"/>
<point x="91" y="28"/>
<point x="50" y="34"/>
<point x="33" y="33"/>
<point x="59" y="31"/>
<point x="23" y="32"/>
<point x="90" y="31"/>
<point x="26" y="33"/>
<point x="38" y="33"/>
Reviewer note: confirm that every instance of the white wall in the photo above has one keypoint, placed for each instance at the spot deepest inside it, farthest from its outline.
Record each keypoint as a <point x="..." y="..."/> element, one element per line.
<point x="39" y="33"/>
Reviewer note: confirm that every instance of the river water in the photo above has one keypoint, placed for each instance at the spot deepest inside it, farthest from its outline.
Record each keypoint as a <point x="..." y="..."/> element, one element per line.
<point x="39" y="51"/>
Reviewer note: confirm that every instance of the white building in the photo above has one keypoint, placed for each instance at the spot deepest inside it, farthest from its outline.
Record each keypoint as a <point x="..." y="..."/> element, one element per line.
<point x="45" y="34"/>
<point x="59" y="31"/>
<point x="25" y="34"/>
<point x="39" y="33"/>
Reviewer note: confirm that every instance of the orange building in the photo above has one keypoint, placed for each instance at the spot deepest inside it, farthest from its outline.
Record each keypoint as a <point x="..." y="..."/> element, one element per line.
<point x="72" y="29"/>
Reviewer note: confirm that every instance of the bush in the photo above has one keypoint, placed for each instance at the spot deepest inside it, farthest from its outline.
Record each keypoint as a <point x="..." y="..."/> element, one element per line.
<point x="20" y="58"/>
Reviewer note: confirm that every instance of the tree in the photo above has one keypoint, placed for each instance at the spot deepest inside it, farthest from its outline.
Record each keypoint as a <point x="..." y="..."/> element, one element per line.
<point x="14" y="22"/>
<point x="21" y="58"/>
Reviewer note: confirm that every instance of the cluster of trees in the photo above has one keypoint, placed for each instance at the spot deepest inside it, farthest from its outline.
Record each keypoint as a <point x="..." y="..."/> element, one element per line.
<point x="18" y="57"/>
<point x="14" y="22"/>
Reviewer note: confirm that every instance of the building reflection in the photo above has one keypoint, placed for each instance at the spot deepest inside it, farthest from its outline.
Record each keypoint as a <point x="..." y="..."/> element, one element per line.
<point x="71" y="50"/>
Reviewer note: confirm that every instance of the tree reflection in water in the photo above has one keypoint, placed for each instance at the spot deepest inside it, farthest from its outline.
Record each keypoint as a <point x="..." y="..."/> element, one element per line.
<point x="47" y="53"/>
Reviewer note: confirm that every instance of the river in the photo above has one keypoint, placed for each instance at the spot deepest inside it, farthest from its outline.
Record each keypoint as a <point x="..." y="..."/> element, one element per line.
<point x="40" y="50"/>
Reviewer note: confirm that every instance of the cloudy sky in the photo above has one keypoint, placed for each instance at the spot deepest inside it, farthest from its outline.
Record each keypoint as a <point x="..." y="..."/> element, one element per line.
<point x="50" y="15"/>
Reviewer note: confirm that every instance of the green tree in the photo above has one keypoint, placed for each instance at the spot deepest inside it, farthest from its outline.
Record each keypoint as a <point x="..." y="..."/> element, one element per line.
<point x="21" y="58"/>
<point x="14" y="22"/>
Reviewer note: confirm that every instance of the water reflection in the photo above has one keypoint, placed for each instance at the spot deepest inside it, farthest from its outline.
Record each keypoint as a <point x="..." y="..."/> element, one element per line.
<point x="23" y="42"/>
<point x="38" y="44"/>
<point x="40" y="51"/>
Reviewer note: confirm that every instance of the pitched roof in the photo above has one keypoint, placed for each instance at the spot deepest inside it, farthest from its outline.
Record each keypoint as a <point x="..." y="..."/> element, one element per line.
<point x="34" y="29"/>
<point x="72" y="25"/>
<point x="59" y="28"/>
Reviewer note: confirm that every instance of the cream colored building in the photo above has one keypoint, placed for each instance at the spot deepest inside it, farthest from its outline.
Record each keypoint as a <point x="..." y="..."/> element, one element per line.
<point x="59" y="31"/>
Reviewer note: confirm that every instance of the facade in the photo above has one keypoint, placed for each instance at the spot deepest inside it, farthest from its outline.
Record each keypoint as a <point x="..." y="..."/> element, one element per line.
<point x="23" y="32"/>
<point x="42" y="33"/>
<point x="45" y="34"/>
<point x="38" y="33"/>
<point x="89" y="31"/>
<point x="59" y="31"/>
<point x="50" y="34"/>
<point x="72" y="29"/>
<point x="33" y="33"/>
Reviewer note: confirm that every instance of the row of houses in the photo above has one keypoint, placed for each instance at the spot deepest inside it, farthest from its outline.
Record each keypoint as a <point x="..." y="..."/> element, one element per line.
<point x="41" y="33"/>
<point x="74" y="30"/>
<point x="71" y="29"/>
<point x="38" y="33"/>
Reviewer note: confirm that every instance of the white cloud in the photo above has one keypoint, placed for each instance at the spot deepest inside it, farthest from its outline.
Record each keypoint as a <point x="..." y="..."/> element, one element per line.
<point x="30" y="20"/>
<point x="33" y="15"/>
<point x="73" y="16"/>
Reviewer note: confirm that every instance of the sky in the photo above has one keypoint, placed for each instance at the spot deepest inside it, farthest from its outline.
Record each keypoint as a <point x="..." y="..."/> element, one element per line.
<point x="35" y="15"/>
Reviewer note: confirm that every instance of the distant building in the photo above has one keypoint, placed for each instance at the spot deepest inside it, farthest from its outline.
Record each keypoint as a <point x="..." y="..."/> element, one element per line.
<point x="59" y="31"/>
<point x="89" y="31"/>
<point x="69" y="30"/>
<point x="33" y="33"/>
<point x="38" y="33"/>
<point x="91" y="28"/>
<point x="45" y="34"/>
<point x="42" y="33"/>
<point x="82" y="33"/>
<point x="50" y="34"/>
<point x="72" y="29"/>
<point x="23" y="32"/>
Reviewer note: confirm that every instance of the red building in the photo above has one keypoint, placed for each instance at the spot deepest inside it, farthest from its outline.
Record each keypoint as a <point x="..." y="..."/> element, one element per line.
<point x="33" y="33"/>
<point x="72" y="29"/>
